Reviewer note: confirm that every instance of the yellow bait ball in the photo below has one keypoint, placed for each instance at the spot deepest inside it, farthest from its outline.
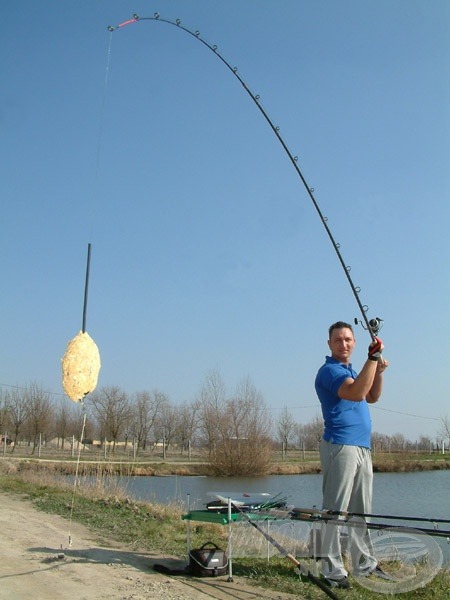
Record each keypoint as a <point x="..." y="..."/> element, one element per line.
<point x="80" y="367"/>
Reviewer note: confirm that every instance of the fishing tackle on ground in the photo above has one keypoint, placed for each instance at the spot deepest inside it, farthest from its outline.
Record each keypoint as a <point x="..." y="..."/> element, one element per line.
<point x="347" y="514"/>
<point x="411" y="557"/>
<point x="302" y="569"/>
<point x="325" y="516"/>
<point x="371" y="328"/>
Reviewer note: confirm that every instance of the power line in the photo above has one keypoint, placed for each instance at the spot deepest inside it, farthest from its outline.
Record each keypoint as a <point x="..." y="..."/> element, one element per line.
<point x="18" y="387"/>
<point x="397" y="412"/>
<point x="271" y="408"/>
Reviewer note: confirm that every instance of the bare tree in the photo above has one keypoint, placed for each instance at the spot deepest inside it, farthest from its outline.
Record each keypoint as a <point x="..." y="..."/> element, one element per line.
<point x="211" y="404"/>
<point x="242" y="445"/>
<point x="285" y="428"/>
<point x="312" y="433"/>
<point x="4" y="420"/>
<point x="166" y="423"/>
<point x="397" y="442"/>
<point x="425" y="443"/>
<point x="187" y="424"/>
<point x="444" y="429"/>
<point x="145" y="409"/>
<point x="111" y="408"/>
<point x="379" y="442"/>
<point x="18" y="410"/>
<point x="41" y="415"/>
<point x="298" y="435"/>
<point x="66" y="421"/>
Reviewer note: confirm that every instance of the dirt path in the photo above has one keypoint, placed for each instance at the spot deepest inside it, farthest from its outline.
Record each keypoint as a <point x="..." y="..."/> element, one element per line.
<point x="36" y="562"/>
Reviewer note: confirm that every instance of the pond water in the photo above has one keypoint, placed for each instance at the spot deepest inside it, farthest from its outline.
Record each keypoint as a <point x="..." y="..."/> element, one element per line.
<point x="420" y="494"/>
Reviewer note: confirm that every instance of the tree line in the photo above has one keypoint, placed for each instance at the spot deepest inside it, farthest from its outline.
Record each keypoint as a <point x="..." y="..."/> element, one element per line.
<point x="296" y="435"/>
<point x="231" y="430"/>
<point x="234" y="432"/>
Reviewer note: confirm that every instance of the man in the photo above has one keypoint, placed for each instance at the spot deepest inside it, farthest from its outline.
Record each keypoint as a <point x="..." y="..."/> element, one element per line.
<point x="345" y="448"/>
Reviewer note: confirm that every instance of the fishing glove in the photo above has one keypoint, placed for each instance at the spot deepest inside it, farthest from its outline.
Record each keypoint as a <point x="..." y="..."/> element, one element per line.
<point x="375" y="349"/>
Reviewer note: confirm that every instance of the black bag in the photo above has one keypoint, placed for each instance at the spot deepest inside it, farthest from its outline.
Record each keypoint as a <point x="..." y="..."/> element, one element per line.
<point x="208" y="561"/>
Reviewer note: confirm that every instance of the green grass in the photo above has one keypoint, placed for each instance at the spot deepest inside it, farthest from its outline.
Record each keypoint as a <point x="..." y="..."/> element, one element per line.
<point x="159" y="528"/>
<point x="149" y="526"/>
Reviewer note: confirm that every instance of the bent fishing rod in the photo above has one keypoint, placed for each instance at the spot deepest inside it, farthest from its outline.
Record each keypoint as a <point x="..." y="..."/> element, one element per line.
<point x="373" y="325"/>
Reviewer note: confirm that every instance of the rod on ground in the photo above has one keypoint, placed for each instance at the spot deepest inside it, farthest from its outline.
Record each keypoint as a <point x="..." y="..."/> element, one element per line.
<point x="86" y="288"/>
<point x="312" y="578"/>
<point x="324" y="513"/>
<point x="309" y="515"/>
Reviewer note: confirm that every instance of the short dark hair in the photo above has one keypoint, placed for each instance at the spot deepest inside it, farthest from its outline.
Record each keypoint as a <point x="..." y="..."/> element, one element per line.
<point x="339" y="325"/>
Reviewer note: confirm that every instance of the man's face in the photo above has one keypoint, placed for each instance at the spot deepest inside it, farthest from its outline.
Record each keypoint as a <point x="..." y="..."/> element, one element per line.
<point x="341" y="344"/>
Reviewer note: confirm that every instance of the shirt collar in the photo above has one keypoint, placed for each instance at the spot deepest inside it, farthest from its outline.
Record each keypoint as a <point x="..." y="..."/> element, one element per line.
<point x="331" y="360"/>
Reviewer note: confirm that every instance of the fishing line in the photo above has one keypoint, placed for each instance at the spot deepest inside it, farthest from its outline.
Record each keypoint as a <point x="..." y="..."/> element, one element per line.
<point x="81" y="361"/>
<point x="80" y="368"/>
<point x="100" y="139"/>
<point x="406" y="414"/>
<point x="20" y="387"/>
<point x="76" y="481"/>
<point x="372" y="326"/>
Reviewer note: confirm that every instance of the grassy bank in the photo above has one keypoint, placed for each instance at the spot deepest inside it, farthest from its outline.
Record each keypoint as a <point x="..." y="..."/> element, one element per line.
<point x="159" y="528"/>
<point x="295" y="463"/>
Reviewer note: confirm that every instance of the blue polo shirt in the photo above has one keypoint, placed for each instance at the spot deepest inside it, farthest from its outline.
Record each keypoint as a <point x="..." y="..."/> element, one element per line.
<point x="346" y="421"/>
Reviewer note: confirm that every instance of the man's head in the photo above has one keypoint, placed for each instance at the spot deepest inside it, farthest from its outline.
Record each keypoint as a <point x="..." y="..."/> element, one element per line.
<point x="341" y="341"/>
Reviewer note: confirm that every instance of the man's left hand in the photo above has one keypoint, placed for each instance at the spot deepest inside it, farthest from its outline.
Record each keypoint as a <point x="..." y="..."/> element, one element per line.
<point x="382" y="365"/>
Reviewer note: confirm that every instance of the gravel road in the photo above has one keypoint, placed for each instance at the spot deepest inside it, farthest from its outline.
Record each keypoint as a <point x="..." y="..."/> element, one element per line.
<point x="36" y="562"/>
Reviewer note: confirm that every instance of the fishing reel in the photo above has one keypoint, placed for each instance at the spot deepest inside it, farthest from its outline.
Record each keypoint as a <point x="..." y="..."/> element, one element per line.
<point x="375" y="325"/>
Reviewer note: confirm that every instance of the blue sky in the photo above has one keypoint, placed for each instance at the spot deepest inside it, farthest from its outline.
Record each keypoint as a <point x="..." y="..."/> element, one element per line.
<point x="207" y="253"/>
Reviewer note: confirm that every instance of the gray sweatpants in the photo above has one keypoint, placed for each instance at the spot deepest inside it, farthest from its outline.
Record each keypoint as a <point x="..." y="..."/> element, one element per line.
<point x="347" y="486"/>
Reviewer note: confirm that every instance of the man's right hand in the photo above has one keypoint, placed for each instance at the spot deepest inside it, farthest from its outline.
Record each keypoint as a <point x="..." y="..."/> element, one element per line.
<point x="375" y="349"/>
